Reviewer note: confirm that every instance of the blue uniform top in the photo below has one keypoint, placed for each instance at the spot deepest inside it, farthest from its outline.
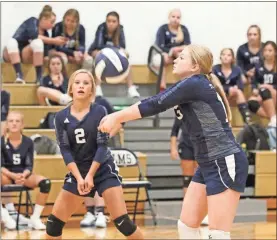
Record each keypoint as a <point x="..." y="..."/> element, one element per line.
<point x="176" y="127"/>
<point x="72" y="44"/>
<point x="234" y="79"/>
<point x="80" y="141"/>
<point x="247" y="60"/>
<point x="5" y="105"/>
<point x="264" y="76"/>
<point x="47" y="82"/>
<point x="20" y="158"/>
<point x="29" y="31"/>
<point x="103" y="102"/>
<point x="167" y="40"/>
<point x="203" y="113"/>
<point x="102" y="40"/>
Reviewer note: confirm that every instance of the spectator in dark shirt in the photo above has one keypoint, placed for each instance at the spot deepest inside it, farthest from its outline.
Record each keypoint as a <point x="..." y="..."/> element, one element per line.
<point x="53" y="88"/>
<point x="232" y="80"/>
<point x="249" y="53"/>
<point x="171" y="39"/>
<point x="74" y="48"/>
<point x="264" y="84"/>
<point x="111" y="34"/>
<point x="31" y="42"/>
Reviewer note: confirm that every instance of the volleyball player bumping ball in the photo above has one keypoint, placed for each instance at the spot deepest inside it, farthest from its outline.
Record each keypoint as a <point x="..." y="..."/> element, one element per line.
<point x="222" y="172"/>
<point x="88" y="159"/>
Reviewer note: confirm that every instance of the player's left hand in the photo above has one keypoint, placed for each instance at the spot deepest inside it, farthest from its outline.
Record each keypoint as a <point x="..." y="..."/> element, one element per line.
<point x="89" y="184"/>
<point x="20" y="179"/>
<point x="107" y="123"/>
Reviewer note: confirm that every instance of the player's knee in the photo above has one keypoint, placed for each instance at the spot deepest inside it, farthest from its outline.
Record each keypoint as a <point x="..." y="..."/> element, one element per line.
<point x="186" y="232"/>
<point x="265" y="94"/>
<point x="186" y="181"/>
<point x="45" y="186"/>
<point x="125" y="225"/>
<point x="54" y="226"/>
<point x="218" y="234"/>
<point x="253" y="106"/>
<point x="37" y="45"/>
<point x="12" y="46"/>
<point x="88" y="63"/>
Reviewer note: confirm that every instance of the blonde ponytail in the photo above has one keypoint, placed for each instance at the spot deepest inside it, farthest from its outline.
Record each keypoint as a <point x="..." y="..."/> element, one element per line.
<point x="218" y="87"/>
<point x="180" y="35"/>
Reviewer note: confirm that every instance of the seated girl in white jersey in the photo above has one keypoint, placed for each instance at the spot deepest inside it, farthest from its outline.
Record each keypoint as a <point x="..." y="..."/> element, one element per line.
<point x="223" y="167"/>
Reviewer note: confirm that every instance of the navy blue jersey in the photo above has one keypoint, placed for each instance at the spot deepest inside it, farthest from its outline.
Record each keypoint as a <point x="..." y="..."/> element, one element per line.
<point x="27" y="32"/>
<point x="246" y="60"/>
<point x="102" y="39"/>
<point x="202" y="111"/>
<point x="264" y="76"/>
<point x="80" y="141"/>
<point x="177" y="125"/>
<point x="234" y="79"/>
<point x="20" y="158"/>
<point x="5" y="105"/>
<point x="76" y="42"/>
<point x="167" y="40"/>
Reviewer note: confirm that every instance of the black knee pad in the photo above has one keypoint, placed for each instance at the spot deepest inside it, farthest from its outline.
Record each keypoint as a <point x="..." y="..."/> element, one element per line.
<point x="253" y="106"/>
<point x="45" y="185"/>
<point x="125" y="225"/>
<point x="186" y="181"/>
<point x="54" y="226"/>
<point x="265" y="94"/>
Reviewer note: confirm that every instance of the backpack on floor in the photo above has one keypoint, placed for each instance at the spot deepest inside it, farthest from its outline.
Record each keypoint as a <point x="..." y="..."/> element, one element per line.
<point x="48" y="121"/>
<point x="254" y="136"/>
<point x="44" y="145"/>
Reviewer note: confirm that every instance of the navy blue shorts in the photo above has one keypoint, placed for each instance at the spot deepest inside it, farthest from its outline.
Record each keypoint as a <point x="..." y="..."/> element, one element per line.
<point x="185" y="150"/>
<point x="229" y="172"/>
<point x="106" y="177"/>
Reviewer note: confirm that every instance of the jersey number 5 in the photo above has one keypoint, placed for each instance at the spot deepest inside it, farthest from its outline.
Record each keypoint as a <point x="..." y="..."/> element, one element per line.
<point x="178" y="113"/>
<point x="16" y="159"/>
<point x="80" y="135"/>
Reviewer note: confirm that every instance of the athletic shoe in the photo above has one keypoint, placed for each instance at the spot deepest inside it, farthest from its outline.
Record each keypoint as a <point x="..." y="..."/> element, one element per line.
<point x="89" y="220"/>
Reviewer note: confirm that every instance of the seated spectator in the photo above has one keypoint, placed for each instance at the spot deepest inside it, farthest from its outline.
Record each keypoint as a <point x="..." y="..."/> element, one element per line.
<point x="74" y="32"/>
<point x="171" y="39"/>
<point x="31" y="43"/>
<point x="17" y="158"/>
<point x="264" y="84"/>
<point x="5" y="106"/>
<point x="249" y="53"/>
<point x="111" y="33"/>
<point x="232" y="80"/>
<point x="53" y="88"/>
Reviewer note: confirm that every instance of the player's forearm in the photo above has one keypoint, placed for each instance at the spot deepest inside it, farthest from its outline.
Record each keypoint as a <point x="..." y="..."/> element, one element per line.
<point x="115" y="130"/>
<point x="173" y="142"/>
<point x="128" y="114"/>
<point x="26" y="173"/>
<point x="72" y="167"/>
<point x="6" y="172"/>
<point x="93" y="169"/>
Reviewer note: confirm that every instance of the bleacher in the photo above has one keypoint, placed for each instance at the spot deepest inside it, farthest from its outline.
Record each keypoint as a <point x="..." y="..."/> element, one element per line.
<point x="149" y="139"/>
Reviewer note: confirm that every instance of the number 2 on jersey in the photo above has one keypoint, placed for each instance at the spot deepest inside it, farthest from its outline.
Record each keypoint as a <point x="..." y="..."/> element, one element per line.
<point x="80" y="135"/>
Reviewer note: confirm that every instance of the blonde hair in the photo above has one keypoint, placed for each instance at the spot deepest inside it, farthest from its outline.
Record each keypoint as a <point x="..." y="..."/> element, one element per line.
<point x="46" y="12"/>
<point x="203" y="57"/>
<point x="72" y="78"/>
<point x="259" y="32"/>
<point x="232" y="53"/>
<point x="22" y="120"/>
<point x="180" y="34"/>
<point x="74" y="13"/>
